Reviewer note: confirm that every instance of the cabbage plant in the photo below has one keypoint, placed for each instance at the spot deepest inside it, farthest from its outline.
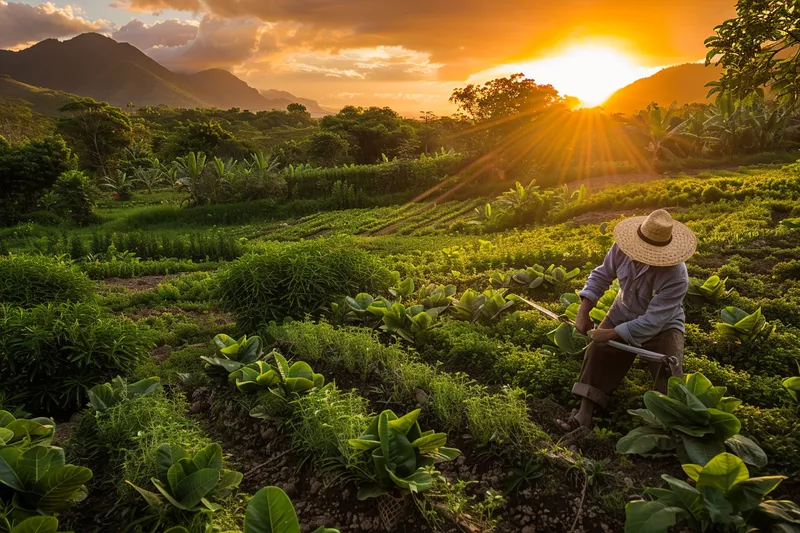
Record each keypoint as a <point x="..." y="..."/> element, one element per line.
<point x="39" y="481"/>
<point x="568" y="339"/>
<point x="107" y="395"/>
<point x="695" y="420"/>
<point x="723" y="498"/>
<point x="189" y="482"/>
<point x="285" y="381"/>
<point x="483" y="307"/>
<point x="712" y="289"/>
<point x="234" y="354"/>
<point x="402" y="454"/>
<point x="746" y="328"/>
<point x="24" y="433"/>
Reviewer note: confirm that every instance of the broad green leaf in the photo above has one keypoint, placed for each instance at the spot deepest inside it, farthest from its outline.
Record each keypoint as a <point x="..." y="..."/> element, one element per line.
<point x="224" y="341"/>
<point x="301" y="369"/>
<point x="8" y="463"/>
<point x="419" y="481"/>
<point x="166" y="456"/>
<point x="725" y="424"/>
<point x="693" y="471"/>
<point x="645" y="440"/>
<point x="226" y="364"/>
<point x="430" y="443"/>
<point x="196" y="486"/>
<point x="747" y="450"/>
<point x="371" y="490"/>
<point x="362" y="444"/>
<point x="6" y="418"/>
<point x="723" y="472"/>
<point x="209" y="457"/>
<point x="397" y="450"/>
<point x="784" y="511"/>
<point x="152" y="499"/>
<point x="405" y="422"/>
<point x="650" y="517"/>
<point x="689" y="497"/>
<point x="719" y="509"/>
<point x="282" y="364"/>
<point x="60" y="488"/>
<point x="298" y="384"/>
<point x="748" y="494"/>
<point x="270" y="511"/>
<point x="37" y="524"/>
<point x="699" y="451"/>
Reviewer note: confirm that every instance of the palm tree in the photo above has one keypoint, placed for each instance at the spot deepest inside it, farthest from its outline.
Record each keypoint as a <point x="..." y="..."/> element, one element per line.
<point x="656" y="127"/>
<point x="150" y="178"/>
<point x="520" y="196"/>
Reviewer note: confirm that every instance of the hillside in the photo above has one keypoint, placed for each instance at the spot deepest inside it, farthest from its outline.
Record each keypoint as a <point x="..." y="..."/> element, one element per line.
<point x="119" y="73"/>
<point x="313" y="107"/>
<point x="44" y="101"/>
<point x="682" y="83"/>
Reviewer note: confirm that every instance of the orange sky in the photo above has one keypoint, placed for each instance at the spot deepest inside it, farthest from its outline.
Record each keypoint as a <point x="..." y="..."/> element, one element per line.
<point x="406" y="54"/>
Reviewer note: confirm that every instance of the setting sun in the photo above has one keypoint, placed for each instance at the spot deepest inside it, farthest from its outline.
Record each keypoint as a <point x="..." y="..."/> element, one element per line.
<point x="590" y="73"/>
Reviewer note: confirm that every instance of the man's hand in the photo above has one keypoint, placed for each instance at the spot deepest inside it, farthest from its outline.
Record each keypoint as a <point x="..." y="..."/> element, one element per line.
<point x="582" y="321"/>
<point x="602" y="336"/>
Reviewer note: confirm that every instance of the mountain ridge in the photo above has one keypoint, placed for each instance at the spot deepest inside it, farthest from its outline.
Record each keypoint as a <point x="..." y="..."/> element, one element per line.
<point x="93" y="65"/>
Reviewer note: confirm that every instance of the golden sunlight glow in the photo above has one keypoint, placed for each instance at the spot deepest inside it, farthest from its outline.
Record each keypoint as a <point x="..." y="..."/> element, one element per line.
<point x="588" y="72"/>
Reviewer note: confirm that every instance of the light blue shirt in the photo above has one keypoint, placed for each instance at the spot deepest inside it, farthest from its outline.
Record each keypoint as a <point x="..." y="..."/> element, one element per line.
<point x="650" y="299"/>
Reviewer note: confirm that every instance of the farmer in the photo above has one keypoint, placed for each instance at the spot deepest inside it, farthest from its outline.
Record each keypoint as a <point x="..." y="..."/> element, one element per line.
<point x="648" y="259"/>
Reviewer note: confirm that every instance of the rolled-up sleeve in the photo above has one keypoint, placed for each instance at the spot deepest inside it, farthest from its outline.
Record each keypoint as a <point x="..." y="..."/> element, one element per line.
<point x="664" y="306"/>
<point x="601" y="277"/>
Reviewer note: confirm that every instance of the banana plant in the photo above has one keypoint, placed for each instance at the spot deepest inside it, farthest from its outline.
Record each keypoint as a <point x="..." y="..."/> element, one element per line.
<point x="107" y="395"/>
<point x="746" y="328"/>
<point x="40" y="481"/>
<point x="712" y="289"/>
<point x="23" y="433"/>
<point x="483" y="307"/>
<point x="284" y="381"/>
<point x="694" y="419"/>
<point x="723" y="498"/>
<point x="402" y="454"/>
<point x="235" y="354"/>
<point x="189" y="482"/>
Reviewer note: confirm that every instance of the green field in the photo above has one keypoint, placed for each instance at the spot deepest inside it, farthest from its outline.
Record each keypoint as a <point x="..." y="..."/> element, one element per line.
<point x="493" y="383"/>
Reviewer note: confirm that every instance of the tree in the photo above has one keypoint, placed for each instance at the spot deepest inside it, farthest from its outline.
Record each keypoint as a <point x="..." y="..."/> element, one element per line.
<point x="371" y="131"/>
<point x="659" y="130"/>
<point x="27" y="171"/>
<point x="327" y="149"/>
<point x="98" y="131"/>
<point x="74" y="196"/>
<point x="758" y="48"/>
<point x="297" y="109"/>
<point x="19" y="123"/>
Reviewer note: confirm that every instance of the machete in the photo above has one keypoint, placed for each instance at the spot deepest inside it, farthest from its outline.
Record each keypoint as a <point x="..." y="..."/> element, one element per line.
<point x="645" y="355"/>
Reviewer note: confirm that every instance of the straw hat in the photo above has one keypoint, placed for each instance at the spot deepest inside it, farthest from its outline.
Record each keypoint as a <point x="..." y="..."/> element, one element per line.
<point x="655" y="240"/>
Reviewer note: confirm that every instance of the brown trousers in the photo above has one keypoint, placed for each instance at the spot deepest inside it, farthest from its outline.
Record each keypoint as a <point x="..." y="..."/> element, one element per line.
<point x="604" y="367"/>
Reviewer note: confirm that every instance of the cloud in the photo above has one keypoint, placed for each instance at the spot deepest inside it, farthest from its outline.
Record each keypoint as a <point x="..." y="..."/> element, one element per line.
<point x="171" y="32"/>
<point x="22" y="24"/>
<point x="218" y="43"/>
<point x="467" y="36"/>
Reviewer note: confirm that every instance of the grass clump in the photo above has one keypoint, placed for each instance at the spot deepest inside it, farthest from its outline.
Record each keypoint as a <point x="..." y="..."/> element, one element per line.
<point x="502" y="420"/>
<point x="296" y="279"/>
<point x="53" y="353"/>
<point x="30" y="280"/>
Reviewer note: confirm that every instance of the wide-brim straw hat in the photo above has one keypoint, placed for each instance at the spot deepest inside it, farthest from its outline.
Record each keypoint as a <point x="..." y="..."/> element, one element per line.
<point x="655" y="240"/>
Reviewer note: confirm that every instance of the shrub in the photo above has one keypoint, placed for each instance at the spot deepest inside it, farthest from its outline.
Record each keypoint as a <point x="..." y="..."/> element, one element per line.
<point x="296" y="279"/>
<point x="32" y="280"/>
<point x="74" y="196"/>
<point x="54" y="353"/>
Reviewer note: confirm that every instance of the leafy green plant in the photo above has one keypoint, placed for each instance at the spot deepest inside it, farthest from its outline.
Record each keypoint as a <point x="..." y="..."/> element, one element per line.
<point x="22" y="433"/>
<point x="712" y="289"/>
<point x="792" y="386"/>
<point x="437" y="298"/>
<point x="483" y="307"/>
<point x="295" y="279"/>
<point x="30" y="280"/>
<point x="235" y="354"/>
<point x="520" y="196"/>
<point x="695" y="419"/>
<point x="598" y="312"/>
<point x="53" y="353"/>
<point x="40" y="481"/>
<point x="107" y="395"/>
<point x="409" y="323"/>
<point x="33" y="524"/>
<point x="401" y="453"/>
<point x="190" y="482"/>
<point x="271" y="511"/>
<point x="533" y="277"/>
<point x="284" y="381"/>
<point x="568" y="339"/>
<point x="723" y="498"/>
<point x="74" y="196"/>
<point x="746" y="328"/>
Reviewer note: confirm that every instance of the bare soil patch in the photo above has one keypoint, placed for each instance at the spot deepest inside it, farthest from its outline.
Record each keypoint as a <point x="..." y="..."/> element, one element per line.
<point x="140" y="283"/>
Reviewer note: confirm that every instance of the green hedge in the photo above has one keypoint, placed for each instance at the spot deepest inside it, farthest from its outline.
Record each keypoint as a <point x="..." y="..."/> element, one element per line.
<point x="29" y="280"/>
<point x="51" y="354"/>
<point x="295" y="279"/>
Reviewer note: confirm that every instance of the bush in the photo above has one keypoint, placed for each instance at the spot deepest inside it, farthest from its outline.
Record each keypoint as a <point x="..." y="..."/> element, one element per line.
<point x="28" y="280"/>
<point x="74" y="196"/>
<point x="53" y="353"/>
<point x="296" y="279"/>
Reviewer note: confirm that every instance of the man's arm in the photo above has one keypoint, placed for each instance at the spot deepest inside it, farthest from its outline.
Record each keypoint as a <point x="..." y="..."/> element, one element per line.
<point x="598" y="283"/>
<point x="662" y="307"/>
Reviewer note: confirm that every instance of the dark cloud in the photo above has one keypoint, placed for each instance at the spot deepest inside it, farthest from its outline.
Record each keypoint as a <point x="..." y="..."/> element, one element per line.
<point x="219" y="43"/>
<point x="171" y="32"/>
<point x="21" y="24"/>
<point x="469" y="35"/>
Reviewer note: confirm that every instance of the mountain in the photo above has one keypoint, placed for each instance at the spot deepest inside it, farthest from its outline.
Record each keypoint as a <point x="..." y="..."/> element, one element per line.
<point x="97" y="66"/>
<point x="44" y="101"/>
<point x="682" y="83"/>
<point x="313" y="107"/>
